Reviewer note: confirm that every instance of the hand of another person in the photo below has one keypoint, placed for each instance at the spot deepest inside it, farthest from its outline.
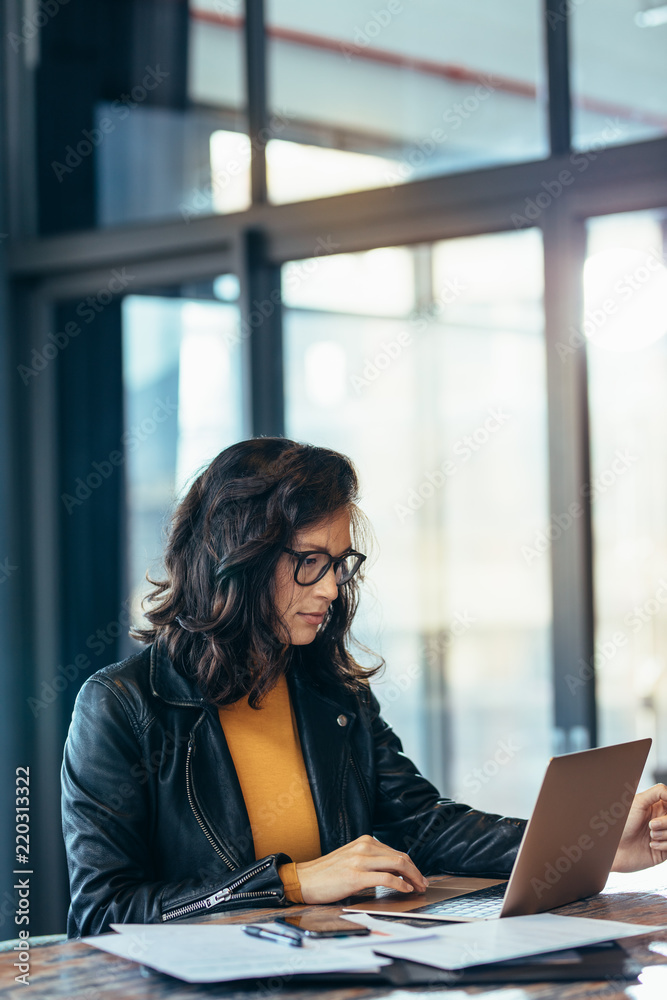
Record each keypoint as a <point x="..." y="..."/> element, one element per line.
<point x="644" y="840"/>
<point x="361" y="864"/>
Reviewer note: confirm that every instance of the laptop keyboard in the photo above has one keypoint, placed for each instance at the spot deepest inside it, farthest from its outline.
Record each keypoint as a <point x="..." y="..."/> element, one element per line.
<point x="481" y="903"/>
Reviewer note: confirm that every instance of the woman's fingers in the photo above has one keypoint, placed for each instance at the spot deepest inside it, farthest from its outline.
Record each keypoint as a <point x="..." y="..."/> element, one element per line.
<point x="654" y="798"/>
<point x="654" y="801"/>
<point x="361" y="864"/>
<point x="386" y="858"/>
<point x="658" y="833"/>
<point x="395" y="863"/>
<point x="387" y="881"/>
<point x="643" y="842"/>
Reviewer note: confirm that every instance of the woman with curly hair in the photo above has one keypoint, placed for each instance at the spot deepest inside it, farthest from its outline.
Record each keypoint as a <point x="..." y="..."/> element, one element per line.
<point x="241" y="759"/>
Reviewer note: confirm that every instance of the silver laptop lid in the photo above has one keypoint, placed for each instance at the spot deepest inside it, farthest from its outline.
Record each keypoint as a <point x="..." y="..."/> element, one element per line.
<point x="571" y="839"/>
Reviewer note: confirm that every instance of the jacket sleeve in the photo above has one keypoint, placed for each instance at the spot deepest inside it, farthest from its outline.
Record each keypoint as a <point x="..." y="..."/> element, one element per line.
<point x="107" y="814"/>
<point x="441" y="836"/>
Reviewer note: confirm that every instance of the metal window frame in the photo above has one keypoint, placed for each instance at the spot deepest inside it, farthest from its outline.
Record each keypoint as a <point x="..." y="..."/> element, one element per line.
<point x="557" y="32"/>
<point x="254" y="244"/>
<point x="615" y="179"/>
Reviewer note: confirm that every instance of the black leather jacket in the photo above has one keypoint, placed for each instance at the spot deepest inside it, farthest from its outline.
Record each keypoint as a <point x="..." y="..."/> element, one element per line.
<point x="154" y="820"/>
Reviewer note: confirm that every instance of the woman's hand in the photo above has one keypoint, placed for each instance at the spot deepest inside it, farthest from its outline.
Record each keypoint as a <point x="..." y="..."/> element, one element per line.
<point x="362" y="864"/>
<point x="644" y="840"/>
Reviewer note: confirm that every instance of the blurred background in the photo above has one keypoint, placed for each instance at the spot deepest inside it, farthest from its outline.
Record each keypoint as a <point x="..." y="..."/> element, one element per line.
<point x="429" y="234"/>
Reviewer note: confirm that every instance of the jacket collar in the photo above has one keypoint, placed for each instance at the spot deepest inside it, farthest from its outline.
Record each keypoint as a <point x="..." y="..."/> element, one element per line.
<point x="176" y="689"/>
<point x="325" y="720"/>
<point x="169" y="685"/>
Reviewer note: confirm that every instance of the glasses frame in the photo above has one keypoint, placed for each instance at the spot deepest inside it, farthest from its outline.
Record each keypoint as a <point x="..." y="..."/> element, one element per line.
<point x="331" y="561"/>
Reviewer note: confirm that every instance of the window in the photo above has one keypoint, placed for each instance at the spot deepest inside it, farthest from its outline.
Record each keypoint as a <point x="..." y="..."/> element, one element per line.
<point x="625" y="286"/>
<point x="378" y="348"/>
<point x="188" y="156"/>
<point x="401" y="90"/>
<point x="438" y="353"/>
<point x="619" y="71"/>
<point x="182" y="376"/>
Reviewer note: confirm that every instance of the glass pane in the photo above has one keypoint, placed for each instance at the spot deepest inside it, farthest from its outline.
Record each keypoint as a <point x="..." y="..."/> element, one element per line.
<point x="182" y="377"/>
<point x="398" y="91"/>
<point x="449" y="388"/>
<point x="625" y="318"/>
<point x="171" y="161"/>
<point x="619" y="71"/>
<point x="143" y="92"/>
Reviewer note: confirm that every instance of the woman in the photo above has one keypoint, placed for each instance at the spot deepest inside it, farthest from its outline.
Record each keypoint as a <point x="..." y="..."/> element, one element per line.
<point x="240" y="759"/>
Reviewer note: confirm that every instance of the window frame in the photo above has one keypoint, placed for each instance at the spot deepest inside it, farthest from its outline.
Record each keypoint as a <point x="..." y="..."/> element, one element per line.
<point x="45" y="271"/>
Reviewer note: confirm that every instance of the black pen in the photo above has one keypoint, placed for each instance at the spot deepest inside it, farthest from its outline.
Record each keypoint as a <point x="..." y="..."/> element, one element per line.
<point x="272" y="934"/>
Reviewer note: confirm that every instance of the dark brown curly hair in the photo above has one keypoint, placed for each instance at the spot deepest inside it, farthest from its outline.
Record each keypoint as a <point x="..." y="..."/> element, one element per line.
<point x="215" y="611"/>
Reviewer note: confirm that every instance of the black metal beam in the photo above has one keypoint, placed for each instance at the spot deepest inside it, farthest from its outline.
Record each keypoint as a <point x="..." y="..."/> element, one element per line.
<point x="556" y="17"/>
<point x="261" y="333"/>
<point x="570" y="530"/>
<point x="255" y="74"/>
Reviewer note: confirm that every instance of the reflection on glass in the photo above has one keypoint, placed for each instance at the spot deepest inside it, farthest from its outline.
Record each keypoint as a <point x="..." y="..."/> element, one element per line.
<point x="428" y="88"/>
<point x="294" y="172"/>
<point x="441" y="404"/>
<point x="155" y="159"/>
<point x="185" y="356"/>
<point x="216" y="63"/>
<point x="230" y="174"/>
<point x="297" y="171"/>
<point x="628" y="405"/>
<point x="619" y="71"/>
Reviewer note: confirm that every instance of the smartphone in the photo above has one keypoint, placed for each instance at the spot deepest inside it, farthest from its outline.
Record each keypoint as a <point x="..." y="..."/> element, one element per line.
<point x="321" y="925"/>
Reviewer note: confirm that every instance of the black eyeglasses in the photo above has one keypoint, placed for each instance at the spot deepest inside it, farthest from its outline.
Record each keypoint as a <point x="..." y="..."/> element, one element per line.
<point x="312" y="566"/>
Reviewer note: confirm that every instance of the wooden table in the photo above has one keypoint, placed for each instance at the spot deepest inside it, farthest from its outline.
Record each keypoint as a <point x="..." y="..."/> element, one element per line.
<point x="75" y="971"/>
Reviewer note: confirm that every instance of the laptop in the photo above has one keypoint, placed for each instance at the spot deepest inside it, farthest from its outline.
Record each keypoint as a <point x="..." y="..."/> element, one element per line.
<point x="566" y="852"/>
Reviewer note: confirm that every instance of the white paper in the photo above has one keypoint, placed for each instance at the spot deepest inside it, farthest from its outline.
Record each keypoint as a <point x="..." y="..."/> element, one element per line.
<point x="207" y="953"/>
<point x="461" y="945"/>
<point x="382" y="931"/>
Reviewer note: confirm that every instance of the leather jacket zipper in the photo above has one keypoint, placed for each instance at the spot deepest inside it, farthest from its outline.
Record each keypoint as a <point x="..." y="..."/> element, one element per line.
<point x="223" y="895"/>
<point x="361" y="785"/>
<point x="188" y="785"/>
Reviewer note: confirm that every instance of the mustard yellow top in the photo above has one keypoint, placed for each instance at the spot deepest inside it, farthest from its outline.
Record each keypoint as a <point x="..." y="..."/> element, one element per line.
<point x="266" y="751"/>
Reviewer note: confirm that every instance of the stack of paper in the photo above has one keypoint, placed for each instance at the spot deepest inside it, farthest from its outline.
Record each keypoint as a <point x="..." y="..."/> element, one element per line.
<point x="461" y="946"/>
<point x="209" y="953"/>
<point x="216" y="953"/>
